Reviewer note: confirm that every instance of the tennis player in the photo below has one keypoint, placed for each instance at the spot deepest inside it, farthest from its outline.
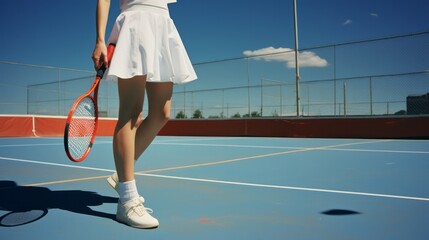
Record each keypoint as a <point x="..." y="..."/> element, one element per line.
<point x="149" y="56"/>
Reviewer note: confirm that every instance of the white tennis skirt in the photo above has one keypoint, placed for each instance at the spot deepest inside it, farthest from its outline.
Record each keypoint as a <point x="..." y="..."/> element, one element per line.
<point x="148" y="43"/>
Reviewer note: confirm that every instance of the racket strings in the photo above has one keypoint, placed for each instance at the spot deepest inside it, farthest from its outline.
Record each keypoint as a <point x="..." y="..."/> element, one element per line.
<point x="82" y="127"/>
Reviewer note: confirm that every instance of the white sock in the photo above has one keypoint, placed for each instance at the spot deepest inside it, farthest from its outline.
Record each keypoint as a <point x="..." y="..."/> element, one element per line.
<point x="127" y="191"/>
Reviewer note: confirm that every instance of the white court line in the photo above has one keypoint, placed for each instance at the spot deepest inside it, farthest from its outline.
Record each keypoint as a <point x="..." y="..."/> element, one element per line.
<point x="286" y="187"/>
<point x="228" y="145"/>
<point x="229" y="182"/>
<point x="55" y="164"/>
<point x="31" y="145"/>
<point x="190" y="139"/>
<point x="377" y="151"/>
<point x="160" y="143"/>
<point x="236" y="146"/>
<point x="279" y="147"/>
<point x="110" y="142"/>
<point x="47" y="144"/>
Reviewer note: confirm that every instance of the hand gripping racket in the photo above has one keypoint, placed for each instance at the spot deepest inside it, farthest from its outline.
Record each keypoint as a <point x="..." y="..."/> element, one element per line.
<point x="82" y="121"/>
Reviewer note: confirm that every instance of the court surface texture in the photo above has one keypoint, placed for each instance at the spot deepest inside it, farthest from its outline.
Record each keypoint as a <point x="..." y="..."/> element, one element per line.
<point x="221" y="188"/>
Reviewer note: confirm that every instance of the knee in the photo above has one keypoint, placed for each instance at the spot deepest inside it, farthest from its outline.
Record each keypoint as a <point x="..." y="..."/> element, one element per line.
<point x="130" y="117"/>
<point x="161" y="118"/>
<point x="165" y="116"/>
<point x="139" y="120"/>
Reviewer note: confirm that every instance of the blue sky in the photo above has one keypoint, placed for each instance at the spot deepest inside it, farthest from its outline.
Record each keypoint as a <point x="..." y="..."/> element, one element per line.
<point x="62" y="34"/>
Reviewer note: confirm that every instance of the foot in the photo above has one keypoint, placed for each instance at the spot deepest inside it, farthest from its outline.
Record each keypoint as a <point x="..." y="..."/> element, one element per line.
<point x="134" y="214"/>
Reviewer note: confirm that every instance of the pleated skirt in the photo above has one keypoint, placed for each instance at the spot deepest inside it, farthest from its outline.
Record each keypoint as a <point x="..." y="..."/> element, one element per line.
<point x="148" y="43"/>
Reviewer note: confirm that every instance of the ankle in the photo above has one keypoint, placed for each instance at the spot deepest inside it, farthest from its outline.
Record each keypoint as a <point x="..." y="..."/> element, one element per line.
<point x="127" y="191"/>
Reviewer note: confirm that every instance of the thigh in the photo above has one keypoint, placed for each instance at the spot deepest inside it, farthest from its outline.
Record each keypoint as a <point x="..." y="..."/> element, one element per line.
<point x="131" y="95"/>
<point x="159" y="97"/>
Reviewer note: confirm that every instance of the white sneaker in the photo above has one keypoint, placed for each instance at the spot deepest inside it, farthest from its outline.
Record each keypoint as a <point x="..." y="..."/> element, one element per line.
<point x="113" y="181"/>
<point x="134" y="214"/>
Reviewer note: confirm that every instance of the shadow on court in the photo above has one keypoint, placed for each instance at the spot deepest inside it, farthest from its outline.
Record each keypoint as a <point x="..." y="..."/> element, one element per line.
<point x="29" y="204"/>
<point x="340" y="212"/>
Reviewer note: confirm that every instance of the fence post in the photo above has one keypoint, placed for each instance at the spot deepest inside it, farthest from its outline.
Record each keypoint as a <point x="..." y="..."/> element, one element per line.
<point x="262" y="98"/>
<point x="296" y="58"/>
<point x="248" y="86"/>
<point x="59" y="90"/>
<point x="345" y="98"/>
<point x="370" y="94"/>
<point x="388" y="112"/>
<point x="28" y="100"/>
<point x="335" y="80"/>
<point x="184" y="100"/>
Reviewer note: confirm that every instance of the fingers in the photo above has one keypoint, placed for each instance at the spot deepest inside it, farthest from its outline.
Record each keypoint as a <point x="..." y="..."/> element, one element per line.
<point x="105" y="60"/>
<point x="99" y="56"/>
<point x="99" y="61"/>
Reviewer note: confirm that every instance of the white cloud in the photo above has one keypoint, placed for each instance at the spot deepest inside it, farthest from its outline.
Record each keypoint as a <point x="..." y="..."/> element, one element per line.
<point x="306" y="58"/>
<point x="374" y="14"/>
<point x="347" y="22"/>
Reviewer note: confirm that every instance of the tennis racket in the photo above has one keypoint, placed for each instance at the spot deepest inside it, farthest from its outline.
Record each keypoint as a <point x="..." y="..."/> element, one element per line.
<point x="82" y="120"/>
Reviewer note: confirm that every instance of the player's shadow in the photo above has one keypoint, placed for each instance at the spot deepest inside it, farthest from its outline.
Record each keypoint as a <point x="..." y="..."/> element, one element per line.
<point x="25" y="202"/>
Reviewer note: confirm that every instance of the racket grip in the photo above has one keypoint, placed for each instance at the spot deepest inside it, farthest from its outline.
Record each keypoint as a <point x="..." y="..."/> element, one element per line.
<point x="102" y="69"/>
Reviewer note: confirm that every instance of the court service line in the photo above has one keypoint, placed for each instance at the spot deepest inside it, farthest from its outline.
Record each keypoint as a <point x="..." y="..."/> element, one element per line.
<point x="224" y="161"/>
<point x="241" y="146"/>
<point x="234" y="146"/>
<point x="217" y="162"/>
<point x="192" y="139"/>
<point x="66" y="181"/>
<point x="55" y="164"/>
<point x="226" y="145"/>
<point x="280" y="147"/>
<point x="212" y="181"/>
<point x="259" y="156"/>
<point x="285" y="187"/>
<point x="168" y="141"/>
<point x="31" y="145"/>
<point x="377" y="151"/>
<point x="181" y="139"/>
<point x="171" y="168"/>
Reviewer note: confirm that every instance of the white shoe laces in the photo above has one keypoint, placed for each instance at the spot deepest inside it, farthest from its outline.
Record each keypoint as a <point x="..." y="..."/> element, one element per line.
<point x="139" y="209"/>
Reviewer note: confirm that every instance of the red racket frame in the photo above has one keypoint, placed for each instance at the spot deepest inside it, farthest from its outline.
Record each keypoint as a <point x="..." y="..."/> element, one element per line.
<point x="93" y="89"/>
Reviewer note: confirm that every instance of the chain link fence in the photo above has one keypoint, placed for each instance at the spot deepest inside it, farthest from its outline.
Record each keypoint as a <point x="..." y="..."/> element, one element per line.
<point x="388" y="76"/>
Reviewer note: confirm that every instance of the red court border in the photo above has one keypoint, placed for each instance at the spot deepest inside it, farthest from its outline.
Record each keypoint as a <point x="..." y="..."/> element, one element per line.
<point x="350" y="127"/>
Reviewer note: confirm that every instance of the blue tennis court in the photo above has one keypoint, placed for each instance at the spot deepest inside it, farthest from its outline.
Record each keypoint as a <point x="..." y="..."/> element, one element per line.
<point x="222" y="188"/>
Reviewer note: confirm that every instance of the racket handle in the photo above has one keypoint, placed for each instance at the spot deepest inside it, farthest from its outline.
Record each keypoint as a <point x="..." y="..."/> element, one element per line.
<point x="102" y="69"/>
<point x="110" y="50"/>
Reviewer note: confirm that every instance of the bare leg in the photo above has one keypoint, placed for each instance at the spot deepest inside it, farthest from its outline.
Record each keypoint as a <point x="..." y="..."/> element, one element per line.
<point x="159" y="100"/>
<point x="131" y="96"/>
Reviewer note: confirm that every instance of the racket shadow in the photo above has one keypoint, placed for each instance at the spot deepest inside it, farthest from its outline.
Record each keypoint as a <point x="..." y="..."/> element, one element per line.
<point x="29" y="204"/>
